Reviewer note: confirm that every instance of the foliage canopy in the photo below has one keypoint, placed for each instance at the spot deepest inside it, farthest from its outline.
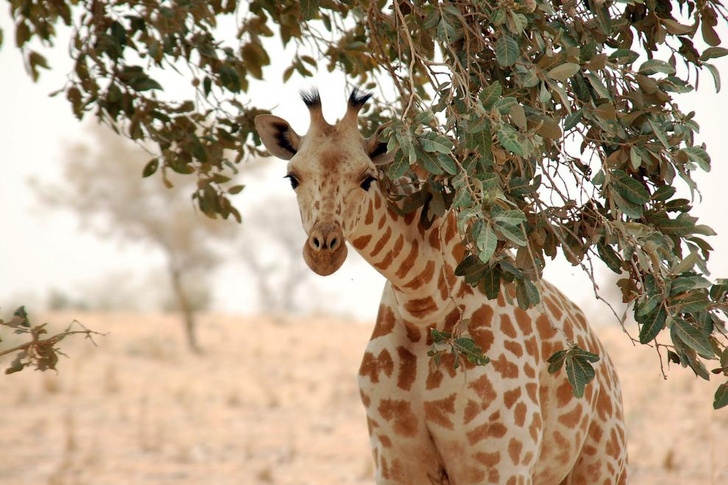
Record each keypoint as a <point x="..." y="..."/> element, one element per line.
<point x="544" y="125"/>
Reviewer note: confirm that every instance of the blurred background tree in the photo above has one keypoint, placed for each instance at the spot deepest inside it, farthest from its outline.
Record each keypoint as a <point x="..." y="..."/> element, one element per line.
<point x="101" y="184"/>
<point x="271" y="250"/>
<point x="546" y="126"/>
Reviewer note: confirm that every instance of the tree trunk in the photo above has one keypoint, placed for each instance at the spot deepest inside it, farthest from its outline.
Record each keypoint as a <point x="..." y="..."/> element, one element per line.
<point x="188" y="314"/>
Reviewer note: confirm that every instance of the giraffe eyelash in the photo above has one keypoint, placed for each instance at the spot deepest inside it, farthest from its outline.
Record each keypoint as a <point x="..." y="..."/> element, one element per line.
<point x="294" y="181"/>
<point x="367" y="182"/>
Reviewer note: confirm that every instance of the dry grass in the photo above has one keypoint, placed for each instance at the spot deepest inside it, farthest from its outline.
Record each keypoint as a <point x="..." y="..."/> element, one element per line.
<point x="274" y="403"/>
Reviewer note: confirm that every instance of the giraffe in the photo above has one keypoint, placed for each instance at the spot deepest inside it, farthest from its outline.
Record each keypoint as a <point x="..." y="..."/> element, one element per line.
<point x="508" y="422"/>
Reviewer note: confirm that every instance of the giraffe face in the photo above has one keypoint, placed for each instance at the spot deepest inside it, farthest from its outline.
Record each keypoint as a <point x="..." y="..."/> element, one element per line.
<point x="332" y="170"/>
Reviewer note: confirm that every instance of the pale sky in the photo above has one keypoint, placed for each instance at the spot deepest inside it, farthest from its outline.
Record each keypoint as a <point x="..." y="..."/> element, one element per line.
<point x="42" y="249"/>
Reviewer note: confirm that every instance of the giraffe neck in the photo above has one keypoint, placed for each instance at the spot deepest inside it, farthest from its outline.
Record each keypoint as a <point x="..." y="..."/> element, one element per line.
<point x="419" y="262"/>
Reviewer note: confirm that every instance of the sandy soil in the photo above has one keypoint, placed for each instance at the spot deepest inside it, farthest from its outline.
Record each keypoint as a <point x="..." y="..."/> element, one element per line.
<point x="275" y="402"/>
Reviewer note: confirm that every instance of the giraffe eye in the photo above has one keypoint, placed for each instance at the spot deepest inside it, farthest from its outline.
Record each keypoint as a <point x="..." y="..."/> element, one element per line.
<point x="367" y="182"/>
<point x="294" y="181"/>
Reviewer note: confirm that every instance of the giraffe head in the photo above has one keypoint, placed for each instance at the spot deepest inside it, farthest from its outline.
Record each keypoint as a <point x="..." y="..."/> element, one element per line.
<point x="333" y="170"/>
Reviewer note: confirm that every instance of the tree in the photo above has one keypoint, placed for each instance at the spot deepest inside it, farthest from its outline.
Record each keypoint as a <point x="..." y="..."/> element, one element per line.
<point x="281" y="277"/>
<point x="545" y="125"/>
<point x="101" y="184"/>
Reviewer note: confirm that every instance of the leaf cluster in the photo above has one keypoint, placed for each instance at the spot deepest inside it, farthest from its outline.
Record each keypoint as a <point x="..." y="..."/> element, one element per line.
<point x="459" y="347"/>
<point x="579" y="368"/>
<point x="41" y="353"/>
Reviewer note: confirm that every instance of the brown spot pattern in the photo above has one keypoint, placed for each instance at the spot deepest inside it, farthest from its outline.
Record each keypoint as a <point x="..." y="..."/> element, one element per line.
<point x="514" y="450"/>
<point x="544" y="327"/>
<point x="472" y="409"/>
<point x="513" y="347"/>
<point x="439" y="411"/>
<point x="434" y="378"/>
<point x="434" y="239"/>
<point x="535" y="428"/>
<point x="413" y="333"/>
<point x="519" y="415"/>
<point x="409" y="261"/>
<point x="488" y="459"/>
<point x="564" y="394"/>
<point x="385" y="322"/>
<point x="507" y="327"/>
<point x="399" y="412"/>
<point x="553" y="307"/>
<point x="484" y="389"/>
<point x="571" y="419"/>
<point x="487" y="430"/>
<point x="384" y="264"/>
<point x="407" y="368"/>
<point x="422" y="277"/>
<point x="371" y="366"/>
<point x="381" y="243"/>
<point x="505" y="367"/>
<point x="420" y="307"/>
<point x="523" y="320"/>
<point x="369" y="218"/>
<point x="510" y="397"/>
<point x="361" y="242"/>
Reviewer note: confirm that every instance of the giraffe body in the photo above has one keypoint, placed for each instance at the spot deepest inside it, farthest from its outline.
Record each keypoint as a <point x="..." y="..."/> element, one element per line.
<point x="508" y="422"/>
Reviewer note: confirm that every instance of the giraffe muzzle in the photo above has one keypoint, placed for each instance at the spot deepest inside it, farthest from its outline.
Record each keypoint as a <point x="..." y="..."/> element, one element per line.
<point x="325" y="250"/>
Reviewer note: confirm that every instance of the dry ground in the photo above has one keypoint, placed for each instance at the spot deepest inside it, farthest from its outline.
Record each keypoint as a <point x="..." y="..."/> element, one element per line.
<point x="275" y="402"/>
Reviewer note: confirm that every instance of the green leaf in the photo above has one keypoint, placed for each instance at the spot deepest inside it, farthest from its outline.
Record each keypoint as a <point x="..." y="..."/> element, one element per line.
<point x="507" y="50"/>
<point x="236" y="189"/>
<point x="512" y="233"/>
<point x="429" y="162"/>
<point x="564" y="71"/>
<point x="527" y="294"/>
<point x="439" y="337"/>
<point x="598" y="86"/>
<point x="467" y="347"/>
<point x="512" y="217"/>
<point x="490" y="282"/>
<point x="399" y="166"/>
<point x="664" y="193"/>
<point x="692" y="302"/>
<point x="659" y="134"/>
<point x="630" y="209"/>
<point x="610" y="257"/>
<point x="713" y="53"/>
<point x="309" y="8"/>
<point x="504" y="105"/>
<point x="721" y="396"/>
<point x="509" y="139"/>
<point x="680" y="226"/>
<point x="654" y="66"/>
<point x="699" y="156"/>
<point x="693" y="338"/>
<point x="150" y="167"/>
<point x="579" y="372"/>
<point x="709" y="34"/>
<point x="490" y="94"/>
<point x="652" y="324"/>
<point x="487" y="242"/>
<point x="572" y="119"/>
<point x="434" y="142"/>
<point x="584" y="354"/>
<point x="629" y="188"/>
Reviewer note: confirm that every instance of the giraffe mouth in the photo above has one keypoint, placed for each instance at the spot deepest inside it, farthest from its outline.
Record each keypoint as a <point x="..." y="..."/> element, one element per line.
<point x="325" y="250"/>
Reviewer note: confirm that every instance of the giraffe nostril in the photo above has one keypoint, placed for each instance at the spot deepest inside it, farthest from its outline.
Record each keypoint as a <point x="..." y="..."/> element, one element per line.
<point x="316" y="243"/>
<point x="333" y="243"/>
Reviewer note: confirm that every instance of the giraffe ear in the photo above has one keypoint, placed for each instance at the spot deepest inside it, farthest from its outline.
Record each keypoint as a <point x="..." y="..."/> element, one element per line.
<point x="377" y="149"/>
<point x="277" y="136"/>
